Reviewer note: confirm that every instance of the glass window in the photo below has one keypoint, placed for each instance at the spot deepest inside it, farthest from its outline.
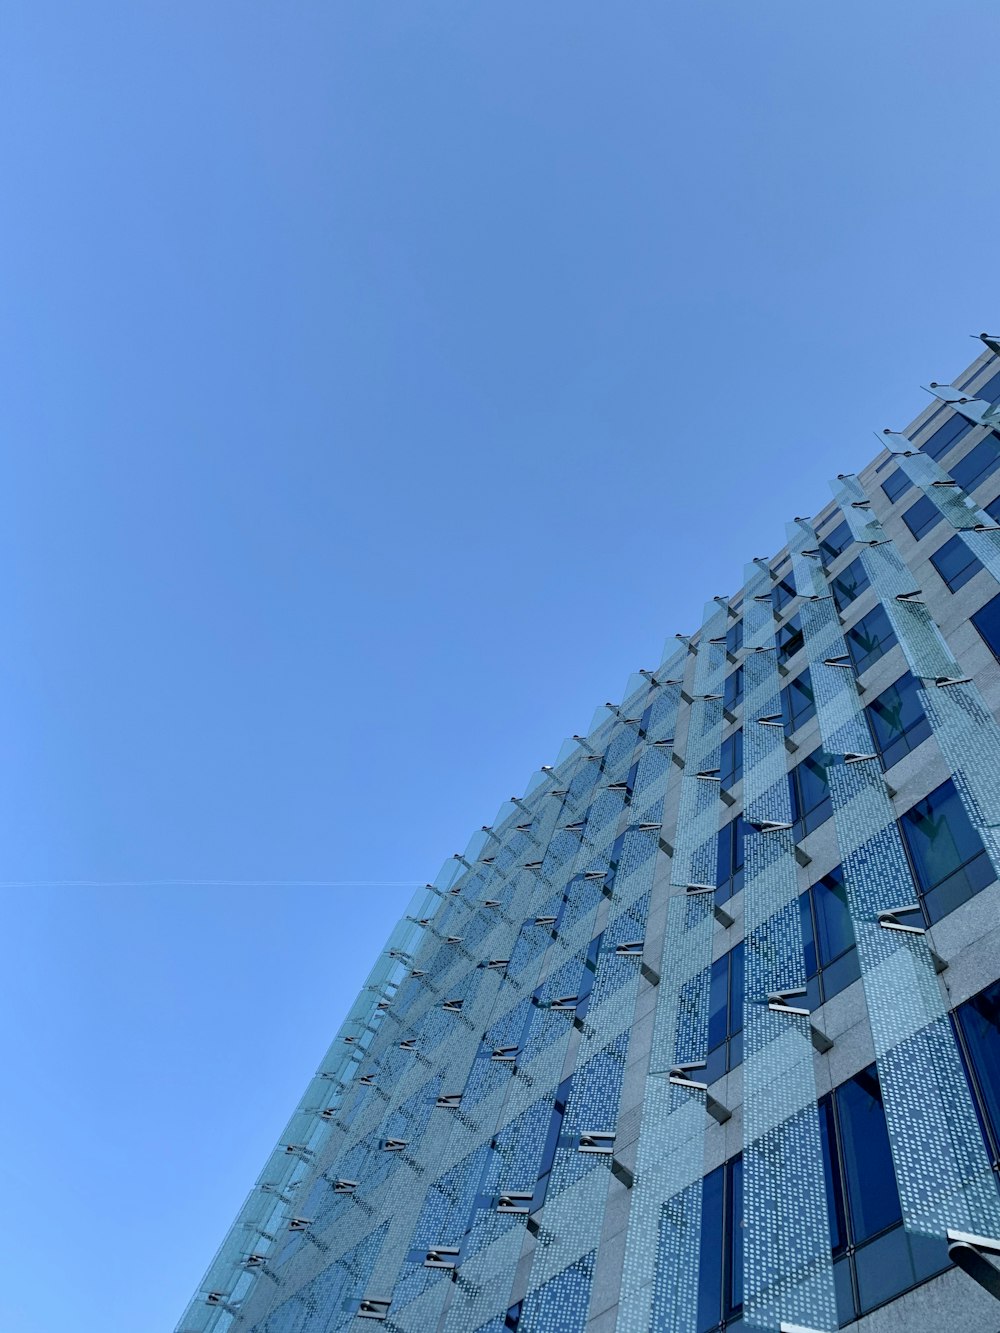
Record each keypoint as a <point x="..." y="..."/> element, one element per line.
<point x="712" y="1249"/>
<point x="979" y="1022"/>
<point x="955" y="563"/>
<point x="798" y="703"/>
<point x="837" y="541"/>
<point x="978" y="464"/>
<point x="949" y="862"/>
<point x="782" y="593"/>
<point x="810" y="792"/>
<point x="990" y="392"/>
<point x="789" y="639"/>
<point x="922" y="517"/>
<point x="898" y="720"/>
<point x="896" y="484"/>
<point x="869" y="639"/>
<point x="732" y="689"/>
<point x="731" y="768"/>
<point x="734" y="1235"/>
<point x="872" y="1198"/>
<point x="947" y="436"/>
<point x="734" y="637"/>
<point x="849" y="584"/>
<point x="729" y="869"/>
<point x="987" y="622"/>
<point x="834" y="931"/>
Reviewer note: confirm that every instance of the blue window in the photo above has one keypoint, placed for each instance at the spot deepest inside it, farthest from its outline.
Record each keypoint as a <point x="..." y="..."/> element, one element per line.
<point x="955" y="563"/>
<point x="896" y="484"/>
<point x="979" y="1023"/>
<point x="789" y="639"/>
<point x="725" y="1015"/>
<point x="729" y="868"/>
<point x="782" y="593"/>
<point x="849" y="584"/>
<point x="898" y="720"/>
<point x="828" y="938"/>
<point x="731" y="765"/>
<point x="922" y="517"/>
<point x="949" y="862"/>
<point x="732" y="689"/>
<point x="810" y="789"/>
<point x="947" y="436"/>
<point x="869" y="639"/>
<point x="734" y="637"/>
<point x="720" y="1277"/>
<point x="987" y="622"/>
<point x="980" y="463"/>
<point x="798" y="704"/>
<point x="837" y="541"/>
<point x="990" y="392"/>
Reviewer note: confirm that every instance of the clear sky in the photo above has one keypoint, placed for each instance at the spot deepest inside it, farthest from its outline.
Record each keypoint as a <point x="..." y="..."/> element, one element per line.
<point x="382" y="383"/>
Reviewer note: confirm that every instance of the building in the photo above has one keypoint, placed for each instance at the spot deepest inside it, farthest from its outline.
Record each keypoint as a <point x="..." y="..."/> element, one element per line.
<point x="703" y="1031"/>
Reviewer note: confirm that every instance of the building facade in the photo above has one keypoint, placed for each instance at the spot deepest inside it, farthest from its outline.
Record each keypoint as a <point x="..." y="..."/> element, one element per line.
<point x="703" y="1031"/>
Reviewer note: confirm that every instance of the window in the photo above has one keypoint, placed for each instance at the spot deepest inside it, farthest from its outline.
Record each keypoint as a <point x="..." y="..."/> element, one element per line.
<point x="987" y="622"/>
<point x="979" y="1023"/>
<point x="896" y="484"/>
<point x="898" y="720"/>
<point x="955" y="563"/>
<point x="869" y="639"/>
<point x="729" y="867"/>
<point x="732" y="690"/>
<point x="828" y="939"/>
<point x="849" y="584"/>
<point x="798" y="704"/>
<point x="978" y="464"/>
<point x="946" y="436"/>
<point x="836" y="542"/>
<point x="720" y="1277"/>
<point x="810" y="789"/>
<point x="731" y="763"/>
<point x="949" y="862"/>
<point x="922" y="516"/>
<point x="789" y="639"/>
<point x="782" y="593"/>
<point x="725" y="1015"/>
<point x="990" y="392"/>
<point x="734" y="637"/>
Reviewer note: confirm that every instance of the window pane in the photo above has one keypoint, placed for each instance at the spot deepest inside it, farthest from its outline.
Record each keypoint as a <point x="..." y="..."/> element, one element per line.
<point x="782" y="593"/>
<point x="922" y="516"/>
<point x="710" y="1271"/>
<point x="808" y="935"/>
<point x="734" y="637"/>
<point x="789" y="639"/>
<point x="870" y="638"/>
<point x="736" y="989"/>
<point x="987" y="622"/>
<point x="897" y="720"/>
<point x="955" y="563"/>
<point x="945" y="437"/>
<point x="979" y="1019"/>
<point x="990" y="392"/>
<point x="835" y="934"/>
<point x="798" y="703"/>
<point x="718" y="1002"/>
<point x="811" y="791"/>
<point x="871" y="1183"/>
<point x="731" y="763"/>
<point x="944" y="847"/>
<point x="849" y="584"/>
<point x="896" y="484"/>
<point x="732" y="690"/>
<point x="837" y="541"/>
<point x="735" y="1226"/>
<point x="831" y="1174"/>
<point x="978" y="464"/>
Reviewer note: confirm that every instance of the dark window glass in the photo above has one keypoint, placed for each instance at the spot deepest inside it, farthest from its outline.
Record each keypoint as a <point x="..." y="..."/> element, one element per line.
<point x="979" y="1021"/>
<point x="872" y="1198"/>
<point x="810" y="792"/>
<point x="798" y="704"/>
<point x="731" y="769"/>
<point x="987" y="622"/>
<point x="978" y="464"/>
<point x="782" y="593"/>
<point x="990" y="392"/>
<point x="955" y="563"/>
<point x="718" y="1002"/>
<point x="896" y="484"/>
<point x="831" y="1169"/>
<point x="949" y="862"/>
<point x="948" y="435"/>
<point x="850" y="583"/>
<point x="712" y="1249"/>
<point x="869" y="639"/>
<point x="834" y="931"/>
<point x="898" y="720"/>
<point x="789" y="639"/>
<point x="837" y="541"/>
<point x="729" y="871"/>
<point x="922" y="516"/>
<point x="734" y="637"/>
<point x="732" y="689"/>
<point x="734" y="1234"/>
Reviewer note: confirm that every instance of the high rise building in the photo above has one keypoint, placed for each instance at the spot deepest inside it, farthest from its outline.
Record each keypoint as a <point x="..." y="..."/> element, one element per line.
<point x="702" y="1032"/>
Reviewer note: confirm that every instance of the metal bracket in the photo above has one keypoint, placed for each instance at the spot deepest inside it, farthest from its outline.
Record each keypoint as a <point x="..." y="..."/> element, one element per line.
<point x="777" y="1003"/>
<point x="969" y="1253"/>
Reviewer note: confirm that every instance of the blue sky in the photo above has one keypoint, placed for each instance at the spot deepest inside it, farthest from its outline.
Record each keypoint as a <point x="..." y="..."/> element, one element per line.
<point x="383" y="383"/>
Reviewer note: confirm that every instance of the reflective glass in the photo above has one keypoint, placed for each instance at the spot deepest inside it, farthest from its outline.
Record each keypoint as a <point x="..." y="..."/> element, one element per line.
<point x="955" y="563"/>
<point x="979" y="1020"/>
<point x="922" y="516"/>
<point x="898" y="720"/>
<point x="872" y="1197"/>
<point x="798" y="702"/>
<point x="731" y="768"/>
<point x="896" y="484"/>
<point x="837" y="541"/>
<point x="980" y="463"/>
<point x="710" y="1271"/>
<point x="849" y="584"/>
<point x="789" y="639"/>
<point x="947" y="436"/>
<point x="869" y="639"/>
<point x="987" y="622"/>
<point x="949" y="861"/>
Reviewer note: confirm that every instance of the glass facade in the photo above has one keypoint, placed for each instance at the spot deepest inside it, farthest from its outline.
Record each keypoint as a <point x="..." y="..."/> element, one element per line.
<point x="702" y="1032"/>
